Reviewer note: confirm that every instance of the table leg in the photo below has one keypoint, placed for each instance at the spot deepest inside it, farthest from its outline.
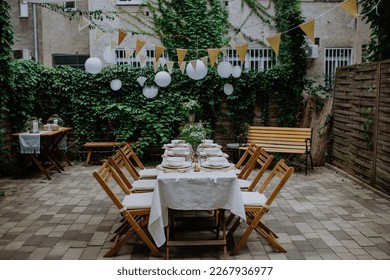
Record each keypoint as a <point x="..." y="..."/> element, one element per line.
<point x="41" y="168"/>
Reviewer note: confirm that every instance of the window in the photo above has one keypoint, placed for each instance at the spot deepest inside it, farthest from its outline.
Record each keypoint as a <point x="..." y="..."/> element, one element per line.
<point x="256" y="58"/>
<point x="130" y="2"/>
<point x="23" y="9"/>
<point x="336" y="57"/>
<point x="71" y="60"/>
<point x="70" y="5"/>
<point x="134" y="60"/>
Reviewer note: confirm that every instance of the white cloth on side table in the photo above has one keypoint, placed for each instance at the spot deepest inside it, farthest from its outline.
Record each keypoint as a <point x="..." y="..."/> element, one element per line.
<point x="30" y="143"/>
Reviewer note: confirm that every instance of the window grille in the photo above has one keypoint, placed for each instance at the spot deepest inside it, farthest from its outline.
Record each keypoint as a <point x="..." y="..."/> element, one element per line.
<point x="336" y="57"/>
<point x="134" y="60"/>
<point x="256" y="58"/>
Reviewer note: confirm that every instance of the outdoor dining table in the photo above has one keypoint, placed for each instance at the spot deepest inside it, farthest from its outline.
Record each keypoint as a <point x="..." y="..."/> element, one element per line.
<point x="41" y="147"/>
<point x="186" y="189"/>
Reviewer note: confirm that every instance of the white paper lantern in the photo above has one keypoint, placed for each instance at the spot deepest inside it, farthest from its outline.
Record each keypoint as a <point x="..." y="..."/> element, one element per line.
<point x="93" y="65"/>
<point x="228" y="89"/>
<point x="109" y="55"/>
<point x="196" y="74"/>
<point x="141" y="80"/>
<point x="150" y="91"/>
<point x="116" y="84"/>
<point x="162" y="79"/>
<point x="224" y="69"/>
<point x="236" y="71"/>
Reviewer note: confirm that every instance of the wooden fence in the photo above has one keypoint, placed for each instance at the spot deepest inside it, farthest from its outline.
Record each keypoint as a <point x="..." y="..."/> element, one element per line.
<point x="361" y="126"/>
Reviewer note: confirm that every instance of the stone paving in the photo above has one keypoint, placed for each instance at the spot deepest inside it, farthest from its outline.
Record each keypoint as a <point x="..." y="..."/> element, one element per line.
<point x="322" y="216"/>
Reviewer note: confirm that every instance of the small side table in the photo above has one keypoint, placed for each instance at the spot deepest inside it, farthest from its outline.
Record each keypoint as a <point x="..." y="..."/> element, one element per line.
<point x="235" y="148"/>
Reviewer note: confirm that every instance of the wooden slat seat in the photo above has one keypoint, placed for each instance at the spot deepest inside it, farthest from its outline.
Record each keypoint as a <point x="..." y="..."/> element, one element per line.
<point x="289" y="140"/>
<point x="91" y="146"/>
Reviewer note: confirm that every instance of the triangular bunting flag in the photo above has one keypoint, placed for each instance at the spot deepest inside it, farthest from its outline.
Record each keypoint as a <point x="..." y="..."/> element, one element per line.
<point x="83" y="22"/>
<point x="181" y="54"/>
<point x="98" y="35"/>
<point x="129" y="53"/>
<point x="156" y="64"/>
<point x="274" y="42"/>
<point x="240" y="37"/>
<point x="159" y="51"/>
<point x="350" y="6"/>
<point x="121" y="36"/>
<point x="223" y="50"/>
<point x="170" y="66"/>
<point x="232" y="43"/>
<point x="308" y="28"/>
<point x="241" y="50"/>
<point x="204" y="60"/>
<point x="139" y="44"/>
<point x="193" y="63"/>
<point x="182" y="67"/>
<point x="213" y="55"/>
<point x="142" y="60"/>
<point x="113" y="44"/>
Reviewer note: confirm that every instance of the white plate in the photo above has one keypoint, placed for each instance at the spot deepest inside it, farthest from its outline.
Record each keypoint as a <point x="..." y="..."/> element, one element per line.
<point x="186" y="164"/>
<point x="205" y="154"/>
<point x="183" y="145"/>
<point x="208" y="165"/>
<point x="212" y="145"/>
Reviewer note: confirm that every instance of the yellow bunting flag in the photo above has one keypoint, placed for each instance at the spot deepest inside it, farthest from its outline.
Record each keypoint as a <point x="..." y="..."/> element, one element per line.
<point x="98" y="35"/>
<point x="129" y="53"/>
<point x="121" y="36"/>
<point x="182" y="67"/>
<point x="350" y="6"/>
<point x="83" y="22"/>
<point x="193" y="63"/>
<point x="139" y="44"/>
<point x="204" y="60"/>
<point x="223" y="50"/>
<point x="181" y="54"/>
<point x="159" y="51"/>
<point x="308" y="28"/>
<point x="241" y="50"/>
<point x="213" y="55"/>
<point x="274" y="42"/>
<point x="170" y="66"/>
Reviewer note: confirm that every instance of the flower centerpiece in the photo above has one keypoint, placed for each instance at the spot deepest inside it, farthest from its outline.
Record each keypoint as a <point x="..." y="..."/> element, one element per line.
<point x="189" y="108"/>
<point x="194" y="133"/>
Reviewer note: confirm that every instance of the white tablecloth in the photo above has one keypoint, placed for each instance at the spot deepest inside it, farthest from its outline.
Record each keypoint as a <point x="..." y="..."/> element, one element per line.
<point x="192" y="191"/>
<point x="30" y="143"/>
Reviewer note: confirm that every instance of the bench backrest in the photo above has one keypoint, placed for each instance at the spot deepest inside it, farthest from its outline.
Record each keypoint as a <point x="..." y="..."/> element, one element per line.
<point x="281" y="139"/>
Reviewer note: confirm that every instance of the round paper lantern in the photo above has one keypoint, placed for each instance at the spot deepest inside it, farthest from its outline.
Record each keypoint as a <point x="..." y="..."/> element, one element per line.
<point x="93" y="65"/>
<point x="196" y="74"/>
<point x="236" y="71"/>
<point x="109" y="55"/>
<point x="141" y="80"/>
<point x="224" y="69"/>
<point x="228" y="89"/>
<point x="116" y="85"/>
<point x="150" y="91"/>
<point x="162" y="79"/>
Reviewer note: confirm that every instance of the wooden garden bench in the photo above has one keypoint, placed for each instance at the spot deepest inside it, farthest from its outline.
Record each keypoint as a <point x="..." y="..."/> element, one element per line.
<point x="289" y="140"/>
<point x="91" y="146"/>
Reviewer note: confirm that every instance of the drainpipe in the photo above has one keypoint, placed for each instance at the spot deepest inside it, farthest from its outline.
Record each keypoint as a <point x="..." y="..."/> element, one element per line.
<point x="35" y="32"/>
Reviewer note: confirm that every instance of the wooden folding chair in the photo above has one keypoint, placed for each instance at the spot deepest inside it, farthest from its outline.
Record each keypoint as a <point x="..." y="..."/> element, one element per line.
<point x="257" y="204"/>
<point x="261" y="158"/>
<point x="142" y="173"/>
<point x="119" y="162"/>
<point x="135" y="208"/>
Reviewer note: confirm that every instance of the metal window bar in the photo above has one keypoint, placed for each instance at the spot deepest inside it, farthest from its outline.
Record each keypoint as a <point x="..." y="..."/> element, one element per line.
<point x="336" y="57"/>
<point x="256" y="58"/>
<point x="134" y="61"/>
